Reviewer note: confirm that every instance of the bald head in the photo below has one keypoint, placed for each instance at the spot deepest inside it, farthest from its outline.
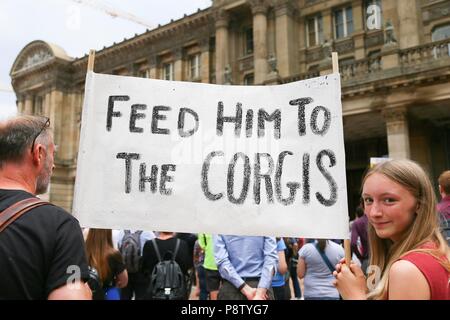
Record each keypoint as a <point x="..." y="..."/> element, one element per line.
<point x="18" y="134"/>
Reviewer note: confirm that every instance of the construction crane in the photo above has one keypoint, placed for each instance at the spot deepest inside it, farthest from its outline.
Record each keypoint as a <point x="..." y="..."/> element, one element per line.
<point x="115" y="13"/>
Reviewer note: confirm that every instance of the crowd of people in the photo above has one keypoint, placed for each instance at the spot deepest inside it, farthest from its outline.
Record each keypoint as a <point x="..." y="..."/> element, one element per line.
<point x="401" y="236"/>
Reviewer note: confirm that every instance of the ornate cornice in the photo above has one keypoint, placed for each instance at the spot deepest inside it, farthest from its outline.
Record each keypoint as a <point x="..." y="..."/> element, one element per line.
<point x="259" y="6"/>
<point x="391" y="115"/>
<point x="221" y="18"/>
<point x="285" y="7"/>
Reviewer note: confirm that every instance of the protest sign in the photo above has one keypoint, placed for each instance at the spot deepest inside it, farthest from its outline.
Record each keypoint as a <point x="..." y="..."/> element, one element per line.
<point x="192" y="157"/>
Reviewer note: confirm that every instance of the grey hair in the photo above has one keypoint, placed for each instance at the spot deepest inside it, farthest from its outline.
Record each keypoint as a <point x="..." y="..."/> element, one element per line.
<point x="17" y="135"/>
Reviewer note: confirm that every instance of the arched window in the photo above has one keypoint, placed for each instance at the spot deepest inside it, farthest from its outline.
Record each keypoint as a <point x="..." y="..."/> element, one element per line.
<point x="249" y="79"/>
<point x="441" y="33"/>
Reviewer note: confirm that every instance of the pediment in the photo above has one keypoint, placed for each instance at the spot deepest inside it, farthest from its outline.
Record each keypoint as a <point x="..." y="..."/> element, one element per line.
<point x="37" y="53"/>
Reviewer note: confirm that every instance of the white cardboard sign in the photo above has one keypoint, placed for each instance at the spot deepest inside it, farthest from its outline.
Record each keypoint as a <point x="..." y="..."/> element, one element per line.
<point x="190" y="157"/>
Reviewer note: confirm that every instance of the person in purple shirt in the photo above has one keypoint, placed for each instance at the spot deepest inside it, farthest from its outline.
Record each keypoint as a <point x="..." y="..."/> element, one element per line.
<point x="443" y="207"/>
<point x="247" y="265"/>
<point x="359" y="243"/>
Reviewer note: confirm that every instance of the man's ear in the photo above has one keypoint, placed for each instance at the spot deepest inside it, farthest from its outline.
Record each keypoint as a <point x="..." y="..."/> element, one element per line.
<point x="37" y="154"/>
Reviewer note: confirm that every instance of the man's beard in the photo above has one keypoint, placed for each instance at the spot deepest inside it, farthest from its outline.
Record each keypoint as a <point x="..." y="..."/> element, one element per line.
<point x="43" y="180"/>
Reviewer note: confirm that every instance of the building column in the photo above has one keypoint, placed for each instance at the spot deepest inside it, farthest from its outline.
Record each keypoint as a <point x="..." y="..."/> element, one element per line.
<point x="284" y="38"/>
<point x="222" y="56"/>
<point x="397" y="132"/>
<point x="47" y="104"/>
<point x="178" y="65"/>
<point x="20" y="104"/>
<point x="153" y="65"/>
<point x="259" y="10"/>
<point x="327" y="19"/>
<point x="408" y="35"/>
<point x="62" y="181"/>
<point x="300" y="24"/>
<point x="204" y="60"/>
<point x="28" y="105"/>
<point x="358" y="34"/>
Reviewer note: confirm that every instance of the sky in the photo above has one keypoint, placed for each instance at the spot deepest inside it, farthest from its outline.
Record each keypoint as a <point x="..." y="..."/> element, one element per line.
<point x="76" y="26"/>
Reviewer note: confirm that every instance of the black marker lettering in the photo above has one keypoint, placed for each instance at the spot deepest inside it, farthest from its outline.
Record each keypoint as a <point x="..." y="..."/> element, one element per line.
<point x="301" y="103"/>
<point x="249" y="123"/>
<point x="293" y="186"/>
<point x="128" y="157"/>
<point x="181" y="117"/>
<point x="221" y="119"/>
<point x="264" y="116"/>
<point x="111" y="113"/>
<point x="136" y="115"/>
<point x="205" y="170"/>
<point x="333" y="186"/>
<point x="306" y="186"/>
<point x="266" y="176"/>
<point x="152" y="178"/>
<point x="230" y="179"/>
<point x="165" y="178"/>
<point x="326" y="123"/>
<point x="156" y="116"/>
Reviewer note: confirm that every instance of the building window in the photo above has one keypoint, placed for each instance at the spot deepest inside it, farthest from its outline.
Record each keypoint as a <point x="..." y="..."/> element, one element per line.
<point x="248" y="41"/>
<point x="144" y="73"/>
<point x="343" y="22"/>
<point x="314" y="31"/>
<point x="168" y="71"/>
<point x="373" y="14"/>
<point x="38" y="106"/>
<point x="441" y="33"/>
<point x="194" y="67"/>
<point x="249" y="79"/>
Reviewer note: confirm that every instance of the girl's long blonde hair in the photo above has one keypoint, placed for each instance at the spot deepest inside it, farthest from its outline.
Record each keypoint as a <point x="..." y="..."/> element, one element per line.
<point x="424" y="228"/>
<point x="99" y="247"/>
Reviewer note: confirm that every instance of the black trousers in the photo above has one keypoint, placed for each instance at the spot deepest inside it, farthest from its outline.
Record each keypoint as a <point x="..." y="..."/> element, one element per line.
<point x="229" y="292"/>
<point x="137" y="285"/>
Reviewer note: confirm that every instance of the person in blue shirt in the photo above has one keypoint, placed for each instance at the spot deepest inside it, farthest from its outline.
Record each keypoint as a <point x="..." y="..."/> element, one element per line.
<point x="247" y="265"/>
<point x="280" y="288"/>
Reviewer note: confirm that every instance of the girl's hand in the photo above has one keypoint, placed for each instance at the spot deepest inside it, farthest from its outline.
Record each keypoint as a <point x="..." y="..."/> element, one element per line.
<point x="350" y="282"/>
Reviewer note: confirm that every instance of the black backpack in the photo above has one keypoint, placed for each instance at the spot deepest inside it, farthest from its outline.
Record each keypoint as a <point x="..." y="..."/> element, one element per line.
<point x="445" y="227"/>
<point x="131" y="250"/>
<point x="167" y="281"/>
<point x="95" y="284"/>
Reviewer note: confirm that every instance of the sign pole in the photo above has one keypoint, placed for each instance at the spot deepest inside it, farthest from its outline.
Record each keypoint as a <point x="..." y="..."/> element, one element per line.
<point x="347" y="248"/>
<point x="91" y="59"/>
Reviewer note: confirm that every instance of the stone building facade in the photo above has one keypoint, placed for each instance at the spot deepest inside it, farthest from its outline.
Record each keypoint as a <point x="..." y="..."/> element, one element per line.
<point x="394" y="59"/>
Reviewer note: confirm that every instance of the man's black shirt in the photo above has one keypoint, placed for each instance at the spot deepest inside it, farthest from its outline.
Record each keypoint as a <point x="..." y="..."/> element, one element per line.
<point x="39" y="251"/>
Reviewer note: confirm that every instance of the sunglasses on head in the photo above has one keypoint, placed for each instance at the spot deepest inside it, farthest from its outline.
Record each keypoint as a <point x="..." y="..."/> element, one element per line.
<point x="46" y="125"/>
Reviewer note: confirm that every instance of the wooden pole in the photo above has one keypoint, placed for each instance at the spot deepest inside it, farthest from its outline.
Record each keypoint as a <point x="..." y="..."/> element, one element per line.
<point x="91" y="60"/>
<point x="335" y="61"/>
<point x="347" y="248"/>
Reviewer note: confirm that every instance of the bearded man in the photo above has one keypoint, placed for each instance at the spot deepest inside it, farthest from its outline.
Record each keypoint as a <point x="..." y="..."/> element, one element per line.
<point x="42" y="252"/>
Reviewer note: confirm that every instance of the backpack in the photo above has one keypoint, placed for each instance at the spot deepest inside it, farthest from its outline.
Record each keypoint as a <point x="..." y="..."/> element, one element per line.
<point x="95" y="284"/>
<point x="131" y="250"/>
<point x="167" y="281"/>
<point x="445" y="227"/>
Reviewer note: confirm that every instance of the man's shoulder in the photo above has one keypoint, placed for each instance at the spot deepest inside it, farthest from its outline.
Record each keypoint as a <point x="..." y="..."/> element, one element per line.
<point x="42" y="214"/>
<point x="10" y="197"/>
